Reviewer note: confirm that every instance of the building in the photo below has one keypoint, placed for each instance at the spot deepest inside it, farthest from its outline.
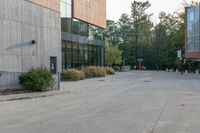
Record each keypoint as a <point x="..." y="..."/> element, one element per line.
<point x="30" y="36"/>
<point x="82" y="23"/>
<point x="192" y="36"/>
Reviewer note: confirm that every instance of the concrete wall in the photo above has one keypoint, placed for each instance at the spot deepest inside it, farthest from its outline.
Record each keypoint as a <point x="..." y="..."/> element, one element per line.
<point x="20" y="23"/>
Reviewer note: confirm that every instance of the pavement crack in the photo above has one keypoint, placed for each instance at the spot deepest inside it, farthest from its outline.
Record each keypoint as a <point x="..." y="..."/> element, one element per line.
<point x="162" y="110"/>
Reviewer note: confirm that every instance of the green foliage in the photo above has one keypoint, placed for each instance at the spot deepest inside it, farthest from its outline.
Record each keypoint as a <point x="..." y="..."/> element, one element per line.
<point x="100" y="72"/>
<point x="89" y="72"/>
<point x="72" y="75"/>
<point x="109" y="71"/>
<point x="113" y="56"/>
<point x="137" y="37"/>
<point x="117" y="68"/>
<point x="92" y="72"/>
<point x="37" y="79"/>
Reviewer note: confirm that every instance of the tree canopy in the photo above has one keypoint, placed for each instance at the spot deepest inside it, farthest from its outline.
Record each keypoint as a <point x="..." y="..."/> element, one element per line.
<point x="139" y="38"/>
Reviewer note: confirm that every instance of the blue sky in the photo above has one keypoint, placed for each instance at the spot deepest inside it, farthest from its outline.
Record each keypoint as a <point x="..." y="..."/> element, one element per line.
<point x="116" y="7"/>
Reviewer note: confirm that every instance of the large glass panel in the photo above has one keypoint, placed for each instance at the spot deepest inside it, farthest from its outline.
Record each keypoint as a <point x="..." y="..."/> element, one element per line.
<point x="83" y="27"/>
<point x="66" y="9"/>
<point x="66" y="25"/>
<point x="99" y="56"/>
<point x="75" y="26"/>
<point x="75" y="55"/>
<point x="95" y="55"/>
<point x="69" y="52"/>
<point x="196" y="34"/>
<point x="63" y="10"/>
<point x="193" y="29"/>
<point x="95" y="33"/>
<point x="63" y="54"/>
<point x="81" y="54"/>
<point x="86" y="55"/>
<point x="90" y="56"/>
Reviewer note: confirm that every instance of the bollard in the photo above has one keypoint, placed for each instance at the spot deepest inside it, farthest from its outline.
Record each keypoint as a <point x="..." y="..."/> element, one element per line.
<point x="177" y="71"/>
<point x="197" y="72"/>
<point x="186" y="72"/>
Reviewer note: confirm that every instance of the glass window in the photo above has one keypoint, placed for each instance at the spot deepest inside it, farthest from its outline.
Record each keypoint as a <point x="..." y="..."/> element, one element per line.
<point x="193" y="41"/>
<point x="95" y="33"/>
<point x="75" y="26"/>
<point x="66" y="9"/>
<point x="75" y="54"/>
<point x="91" y="55"/>
<point x="66" y="25"/>
<point x="83" y="27"/>
<point x="63" y="10"/>
<point x="69" y="51"/>
<point x="81" y="54"/>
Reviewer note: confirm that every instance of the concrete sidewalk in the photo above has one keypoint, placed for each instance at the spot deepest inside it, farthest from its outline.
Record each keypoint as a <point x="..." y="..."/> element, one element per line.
<point x="132" y="102"/>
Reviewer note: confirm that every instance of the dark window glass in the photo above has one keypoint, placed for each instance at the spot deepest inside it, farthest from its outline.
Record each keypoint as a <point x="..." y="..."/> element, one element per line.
<point x="91" y="57"/>
<point x="75" y="27"/>
<point x="95" y="55"/>
<point x="83" y="28"/>
<point x="81" y="53"/>
<point x="66" y="25"/>
<point x="75" y="55"/>
<point x="69" y="52"/>
<point x="98" y="56"/>
<point x="85" y="55"/>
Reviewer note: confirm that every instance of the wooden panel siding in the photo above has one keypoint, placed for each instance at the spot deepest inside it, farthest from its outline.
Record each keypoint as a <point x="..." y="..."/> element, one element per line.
<point x="91" y="11"/>
<point x="52" y="4"/>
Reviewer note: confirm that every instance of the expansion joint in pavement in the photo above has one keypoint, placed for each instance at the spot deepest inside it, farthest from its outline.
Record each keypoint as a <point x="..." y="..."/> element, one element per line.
<point x="162" y="110"/>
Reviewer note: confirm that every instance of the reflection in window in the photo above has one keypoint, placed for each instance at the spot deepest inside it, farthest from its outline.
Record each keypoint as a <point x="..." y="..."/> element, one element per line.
<point x="66" y="9"/>
<point x="193" y="29"/>
<point x="95" y="33"/>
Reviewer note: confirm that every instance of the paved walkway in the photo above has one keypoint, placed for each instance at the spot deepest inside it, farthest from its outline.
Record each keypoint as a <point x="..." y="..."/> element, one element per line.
<point x="133" y="102"/>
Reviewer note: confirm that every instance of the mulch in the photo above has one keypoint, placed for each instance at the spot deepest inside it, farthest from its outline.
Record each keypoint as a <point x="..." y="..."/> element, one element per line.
<point x="10" y="92"/>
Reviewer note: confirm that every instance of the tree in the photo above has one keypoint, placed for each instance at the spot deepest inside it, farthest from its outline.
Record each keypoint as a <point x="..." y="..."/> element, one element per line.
<point x="126" y="33"/>
<point x="111" y="33"/>
<point x="141" y="23"/>
<point x="137" y="37"/>
<point x="113" y="56"/>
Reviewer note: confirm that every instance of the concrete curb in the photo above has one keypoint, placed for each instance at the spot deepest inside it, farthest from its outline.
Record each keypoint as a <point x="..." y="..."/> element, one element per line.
<point x="22" y="96"/>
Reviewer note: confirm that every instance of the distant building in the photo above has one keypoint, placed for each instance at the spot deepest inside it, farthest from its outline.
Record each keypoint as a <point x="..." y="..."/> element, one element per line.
<point x="192" y="33"/>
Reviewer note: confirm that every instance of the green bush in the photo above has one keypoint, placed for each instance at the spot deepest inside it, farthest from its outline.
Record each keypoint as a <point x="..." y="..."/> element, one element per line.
<point x="100" y="72"/>
<point x="37" y="79"/>
<point x="117" y="68"/>
<point x="92" y="72"/>
<point x="72" y="75"/>
<point x="109" y="71"/>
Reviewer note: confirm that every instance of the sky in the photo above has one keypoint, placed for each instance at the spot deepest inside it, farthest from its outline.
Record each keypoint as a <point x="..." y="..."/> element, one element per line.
<point x="115" y="8"/>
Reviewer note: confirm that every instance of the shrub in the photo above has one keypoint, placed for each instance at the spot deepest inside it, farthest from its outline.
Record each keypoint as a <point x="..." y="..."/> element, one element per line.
<point x="89" y="72"/>
<point x="72" y="75"/>
<point x="92" y="72"/>
<point x="37" y="79"/>
<point x="109" y="71"/>
<point x="117" y="68"/>
<point x="100" y="72"/>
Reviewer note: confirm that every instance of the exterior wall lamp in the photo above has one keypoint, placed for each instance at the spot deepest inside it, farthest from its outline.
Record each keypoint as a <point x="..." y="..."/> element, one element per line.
<point x="33" y="42"/>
